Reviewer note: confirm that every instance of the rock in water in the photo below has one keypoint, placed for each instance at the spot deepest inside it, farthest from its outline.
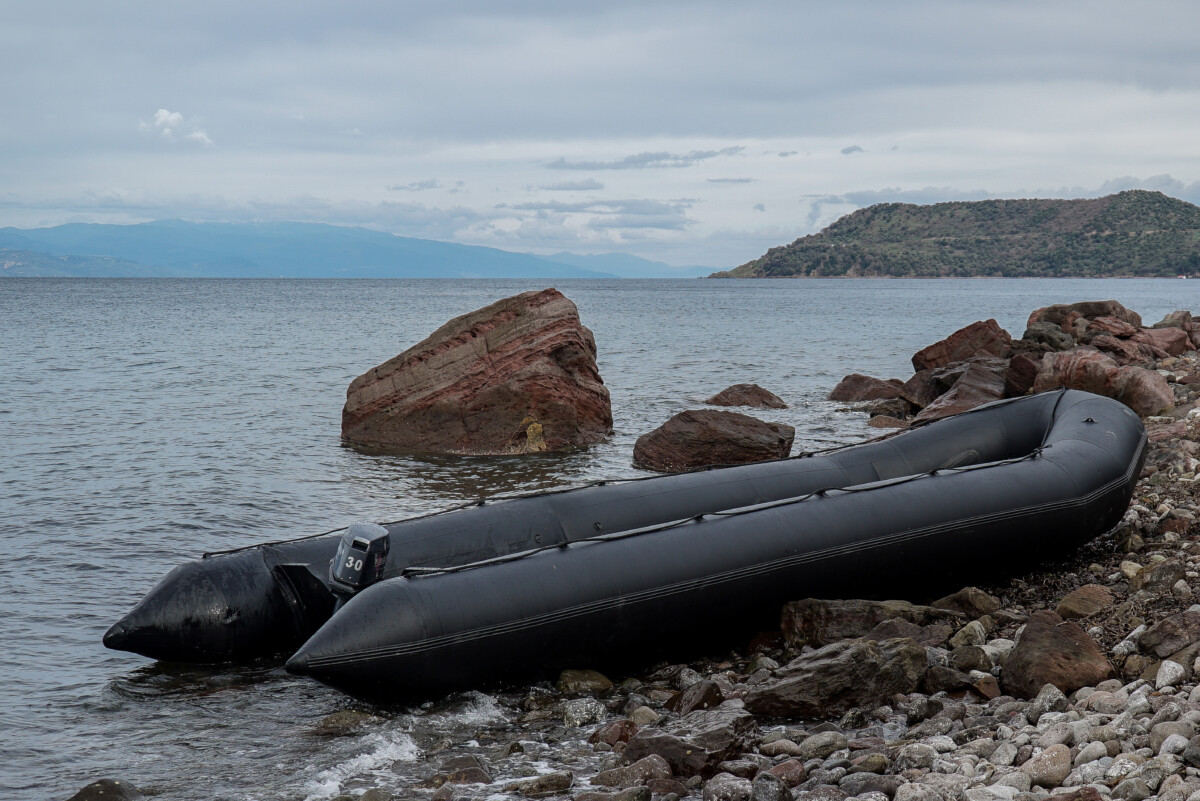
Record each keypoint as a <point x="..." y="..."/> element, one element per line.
<point x="516" y="376"/>
<point x="747" y="395"/>
<point x="703" y="437"/>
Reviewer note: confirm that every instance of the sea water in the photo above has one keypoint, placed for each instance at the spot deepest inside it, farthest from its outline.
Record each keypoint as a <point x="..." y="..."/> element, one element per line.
<point x="144" y="422"/>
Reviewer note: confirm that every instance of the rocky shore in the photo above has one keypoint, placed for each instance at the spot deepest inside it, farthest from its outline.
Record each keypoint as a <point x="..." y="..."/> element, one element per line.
<point x="1078" y="682"/>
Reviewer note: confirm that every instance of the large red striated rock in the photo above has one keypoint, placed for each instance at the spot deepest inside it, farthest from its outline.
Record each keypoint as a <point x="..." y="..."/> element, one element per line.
<point x="985" y="338"/>
<point x="1065" y="314"/>
<point x="704" y="437"/>
<point x="1144" y="391"/>
<point x="1172" y="340"/>
<point x="519" y="375"/>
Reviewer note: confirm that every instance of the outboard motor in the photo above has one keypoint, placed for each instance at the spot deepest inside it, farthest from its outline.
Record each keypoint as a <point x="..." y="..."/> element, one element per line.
<point x="359" y="561"/>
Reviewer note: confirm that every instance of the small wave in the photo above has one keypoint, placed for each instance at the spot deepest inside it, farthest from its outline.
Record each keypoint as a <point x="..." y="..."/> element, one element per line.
<point x="385" y="749"/>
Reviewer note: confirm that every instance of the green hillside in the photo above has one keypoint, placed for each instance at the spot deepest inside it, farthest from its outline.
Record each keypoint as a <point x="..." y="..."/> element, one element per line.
<point x="1131" y="234"/>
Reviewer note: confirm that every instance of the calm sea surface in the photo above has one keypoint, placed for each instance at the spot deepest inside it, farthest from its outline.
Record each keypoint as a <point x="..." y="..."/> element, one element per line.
<point x="143" y="422"/>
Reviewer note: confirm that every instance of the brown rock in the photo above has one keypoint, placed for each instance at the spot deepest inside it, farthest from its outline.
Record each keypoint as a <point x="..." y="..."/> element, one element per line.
<point x="1061" y="313"/>
<point x="982" y="382"/>
<point x="747" y="395"/>
<point x="1111" y="326"/>
<point x="886" y="421"/>
<point x="701" y="695"/>
<point x="922" y="388"/>
<point x="1123" y="351"/>
<point x="984" y="338"/>
<point x="939" y="678"/>
<point x="842" y="675"/>
<point x="1173" y="341"/>
<point x="935" y="634"/>
<point x="1171" y="634"/>
<point x="1180" y="318"/>
<point x="1144" y="391"/>
<point x="857" y="387"/>
<point x="515" y="376"/>
<point x="1051" y="651"/>
<point x="635" y="774"/>
<point x="695" y="744"/>
<point x="970" y="601"/>
<point x="1022" y="370"/>
<point x="1084" y="602"/>
<point x="704" y="437"/>
<point x="615" y="731"/>
<point x="791" y="771"/>
<point x="817" y="621"/>
<point x="1085" y="793"/>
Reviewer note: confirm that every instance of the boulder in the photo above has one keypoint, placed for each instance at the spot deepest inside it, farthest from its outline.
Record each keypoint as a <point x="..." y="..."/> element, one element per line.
<point x="747" y="395"/>
<point x="108" y="790"/>
<point x="1022" y="370"/>
<point x="1172" y="341"/>
<point x="583" y="681"/>
<point x="703" y="437"/>
<point x="694" y="744"/>
<point x="857" y="387"/>
<point x="983" y="338"/>
<point x="1180" y="318"/>
<point x="1085" y="368"/>
<point x="838" y="677"/>
<point x="1171" y="634"/>
<point x="817" y="621"/>
<point x="1111" y="326"/>
<point x="970" y="601"/>
<point x="922" y="388"/>
<point x="516" y="376"/>
<point x="703" y="694"/>
<point x="635" y="774"/>
<point x="1123" y="351"/>
<point x="982" y="382"/>
<point x="1051" y="651"/>
<point x="1091" y="309"/>
<point x="1050" y="334"/>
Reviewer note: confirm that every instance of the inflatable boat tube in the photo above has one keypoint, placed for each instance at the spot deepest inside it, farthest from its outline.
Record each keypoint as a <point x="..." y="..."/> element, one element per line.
<point x="268" y="599"/>
<point x="996" y="489"/>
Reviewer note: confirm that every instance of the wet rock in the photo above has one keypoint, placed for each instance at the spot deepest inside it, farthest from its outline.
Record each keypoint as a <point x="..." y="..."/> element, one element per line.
<point x="615" y="731"/>
<point x="822" y="744"/>
<point x="727" y="787"/>
<point x="839" y="676"/>
<point x="701" y="695"/>
<point x="856" y="388"/>
<point x="695" y="744"/>
<point x="344" y="721"/>
<point x="375" y="794"/>
<point x="747" y="395"/>
<point x="108" y="790"/>
<point x="583" y="681"/>
<point x="982" y="338"/>
<point x="1053" y="651"/>
<point x="815" y="621"/>
<point x="515" y="376"/>
<point x="635" y="774"/>
<point x="582" y="711"/>
<point x="983" y="382"/>
<point x="769" y="787"/>
<point x="1084" y="602"/>
<point x="544" y="784"/>
<point x="632" y="794"/>
<point x="791" y="771"/>
<point x="644" y="716"/>
<point x="703" y="437"/>
<point x="467" y="769"/>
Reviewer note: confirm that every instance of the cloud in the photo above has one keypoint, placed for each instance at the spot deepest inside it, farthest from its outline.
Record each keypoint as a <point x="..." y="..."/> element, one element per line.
<point x="171" y="125"/>
<point x="760" y="207"/>
<point x="587" y="184"/>
<point x="623" y="214"/>
<point x="416" y="186"/>
<point x="846" y="151"/>
<point x="731" y="180"/>
<point x="643" y="161"/>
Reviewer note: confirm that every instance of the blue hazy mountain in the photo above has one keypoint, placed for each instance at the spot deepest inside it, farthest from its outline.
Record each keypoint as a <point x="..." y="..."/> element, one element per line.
<point x="173" y="248"/>
<point x="624" y="265"/>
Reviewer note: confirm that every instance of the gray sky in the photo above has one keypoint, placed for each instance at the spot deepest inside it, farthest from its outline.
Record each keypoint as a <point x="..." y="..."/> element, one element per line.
<point x="688" y="132"/>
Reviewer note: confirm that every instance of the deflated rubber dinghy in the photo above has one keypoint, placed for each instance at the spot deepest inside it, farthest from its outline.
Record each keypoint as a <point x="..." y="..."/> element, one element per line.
<point x="628" y="571"/>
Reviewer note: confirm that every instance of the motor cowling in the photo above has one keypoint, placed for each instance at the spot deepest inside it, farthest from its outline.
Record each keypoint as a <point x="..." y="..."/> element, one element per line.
<point x="359" y="561"/>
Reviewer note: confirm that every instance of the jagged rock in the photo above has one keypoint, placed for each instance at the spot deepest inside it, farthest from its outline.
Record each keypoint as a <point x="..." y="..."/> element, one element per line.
<point x="940" y="678"/>
<point x="970" y="601"/>
<point x="539" y="785"/>
<point x="1172" y="341"/>
<point x="934" y="635"/>
<point x="694" y="744"/>
<point x="701" y="695"/>
<point x="922" y="388"/>
<point x="613" y="732"/>
<point x="1122" y="351"/>
<point x="747" y="395"/>
<point x="857" y="387"/>
<point x="108" y="790"/>
<point x="842" y="675"/>
<point x="515" y="376"/>
<point x="1084" y="602"/>
<point x="984" y="337"/>
<point x="982" y="382"/>
<point x="635" y="774"/>
<point x="1050" y="334"/>
<point x="1060" y="313"/>
<point x="1051" y="651"/>
<point x="704" y="437"/>
<point x="1022" y="371"/>
<point x="1111" y="326"/>
<point x="1171" y="634"/>
<point x="1180" y="318"/>
<point x="817" y="621"/>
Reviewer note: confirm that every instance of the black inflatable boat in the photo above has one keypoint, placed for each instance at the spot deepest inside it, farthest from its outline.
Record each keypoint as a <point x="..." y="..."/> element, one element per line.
<point x="628" y="571"/>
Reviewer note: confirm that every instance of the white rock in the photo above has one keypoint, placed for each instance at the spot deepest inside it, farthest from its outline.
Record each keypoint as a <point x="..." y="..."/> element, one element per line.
<point x="1090" y="753"/>
<point x="1170" y="674"/>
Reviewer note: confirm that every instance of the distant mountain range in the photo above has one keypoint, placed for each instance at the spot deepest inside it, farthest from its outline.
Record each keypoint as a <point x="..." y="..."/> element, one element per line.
<point x="1130" y="234"/>
<point x="173" y="248"/>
